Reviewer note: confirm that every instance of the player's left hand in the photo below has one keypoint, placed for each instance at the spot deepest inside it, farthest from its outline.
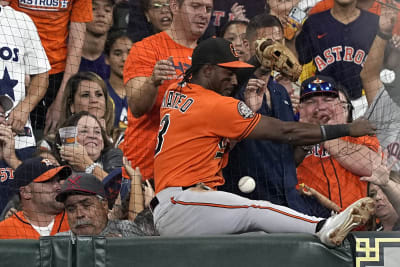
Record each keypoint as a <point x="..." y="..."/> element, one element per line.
<point x="18" y="118"/>
<point x="361" y="127"/>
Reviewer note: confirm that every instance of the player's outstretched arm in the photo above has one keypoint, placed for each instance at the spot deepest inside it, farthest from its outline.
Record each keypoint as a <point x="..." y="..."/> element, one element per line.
<point x="298" y="133"/>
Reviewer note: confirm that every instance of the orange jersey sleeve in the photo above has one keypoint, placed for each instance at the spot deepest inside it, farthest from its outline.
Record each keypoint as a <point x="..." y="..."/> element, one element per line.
<point x="140" y="136"/>
<point x="196" y="124"/>
<point x="52" y="20"/>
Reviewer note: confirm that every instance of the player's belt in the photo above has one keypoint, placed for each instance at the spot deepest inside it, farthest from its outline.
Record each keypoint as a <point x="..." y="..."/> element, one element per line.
<point x="154" y="202"/>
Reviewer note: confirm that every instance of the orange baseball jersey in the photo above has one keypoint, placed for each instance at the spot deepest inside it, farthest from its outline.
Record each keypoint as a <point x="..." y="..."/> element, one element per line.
<point x="140" y="136"/>
<point x="324" y="173"/>
<point x="52" y="18"/>
<point x="375" y="8"/>
<point x="194" y="130"/>
<point x="20" y="228"/>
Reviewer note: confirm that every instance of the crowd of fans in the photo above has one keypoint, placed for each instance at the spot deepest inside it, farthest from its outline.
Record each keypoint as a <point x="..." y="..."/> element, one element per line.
<point x="102" y="67"/>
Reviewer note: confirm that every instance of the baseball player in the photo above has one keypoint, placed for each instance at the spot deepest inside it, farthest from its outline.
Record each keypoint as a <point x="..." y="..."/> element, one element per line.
<point x="338" y="42"/>
<point x="197" y="120"/>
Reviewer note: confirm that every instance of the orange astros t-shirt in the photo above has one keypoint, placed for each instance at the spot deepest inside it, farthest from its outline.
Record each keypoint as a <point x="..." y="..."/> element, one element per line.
<point x="140" y="136"/>
<point x="318" y="171"/>
<point x="375" y="8"/>
<point x="52" y="18"/>
<point x="193" y="135"/>
<point x="14" y="228"/>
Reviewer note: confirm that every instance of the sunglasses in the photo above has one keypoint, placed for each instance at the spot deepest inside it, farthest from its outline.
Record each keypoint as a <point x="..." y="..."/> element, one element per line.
<point x="318" y="86"/>
<point x="158" y="6"/>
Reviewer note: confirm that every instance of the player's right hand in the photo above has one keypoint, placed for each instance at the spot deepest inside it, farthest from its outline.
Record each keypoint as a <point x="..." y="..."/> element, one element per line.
<point x="163" y="70"/>
<point x="362" y="127"/>
<point x="4" y="3"/>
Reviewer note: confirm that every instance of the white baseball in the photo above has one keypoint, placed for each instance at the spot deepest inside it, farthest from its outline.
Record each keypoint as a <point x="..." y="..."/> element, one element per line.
<point x="247" y="184"/>
<point x="387" y="76"/>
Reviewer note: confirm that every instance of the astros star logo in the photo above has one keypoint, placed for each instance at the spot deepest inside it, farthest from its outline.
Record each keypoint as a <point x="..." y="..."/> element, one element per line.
<point x="7" y="85"/>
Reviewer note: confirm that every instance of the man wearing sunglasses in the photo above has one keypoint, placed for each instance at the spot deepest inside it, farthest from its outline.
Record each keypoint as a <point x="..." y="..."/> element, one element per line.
<point x="334" y="167"/>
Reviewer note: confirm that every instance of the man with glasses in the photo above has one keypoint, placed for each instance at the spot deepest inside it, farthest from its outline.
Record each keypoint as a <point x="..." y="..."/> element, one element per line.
<point x="333" y="168"/>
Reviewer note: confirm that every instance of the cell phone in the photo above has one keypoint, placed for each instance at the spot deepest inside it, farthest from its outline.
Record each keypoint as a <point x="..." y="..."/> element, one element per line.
<point x="296" y="18"/>
<point x="297" y="14"/>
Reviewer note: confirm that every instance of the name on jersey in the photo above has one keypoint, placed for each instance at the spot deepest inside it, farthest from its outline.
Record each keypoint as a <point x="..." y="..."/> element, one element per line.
<point x="7" y="53"/>
<point x="44" y="5"/>
<point x="339" y="53"/>
<point x="176" y="100"/>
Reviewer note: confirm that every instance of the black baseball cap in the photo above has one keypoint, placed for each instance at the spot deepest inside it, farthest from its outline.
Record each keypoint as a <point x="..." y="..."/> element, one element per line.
<point x="37" y="170"/>
<point x="81" y="184"/>
<point x="217" y="51"/>
<point x="318" y="85"/>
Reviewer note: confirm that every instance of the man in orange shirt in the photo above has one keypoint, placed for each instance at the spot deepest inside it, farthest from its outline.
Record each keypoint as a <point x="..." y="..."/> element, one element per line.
<point x="334" y="167"/>
<point x="61" y="27"/>
<point x="151" y="66"/>
<point x="198" y="120"/>
<point x="38" y="182"/>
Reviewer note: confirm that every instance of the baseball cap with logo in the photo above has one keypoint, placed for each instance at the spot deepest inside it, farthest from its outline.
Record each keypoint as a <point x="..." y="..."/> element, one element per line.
<point x="217" y="51"/>
<point x="6" y="102"/>
<point x="83" y="184"/>
<point x="37" y="170"/>
<point x="318" y="85"/>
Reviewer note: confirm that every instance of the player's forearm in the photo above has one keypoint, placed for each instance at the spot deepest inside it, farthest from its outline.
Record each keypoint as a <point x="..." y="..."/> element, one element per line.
<point x="372" y="67"/>
<point x="76" y="40"/>
<point x="355" y="158"/>
<point x="294" y="133"/>
<point x="36" y="91"/>
<point x="142" y="94"/>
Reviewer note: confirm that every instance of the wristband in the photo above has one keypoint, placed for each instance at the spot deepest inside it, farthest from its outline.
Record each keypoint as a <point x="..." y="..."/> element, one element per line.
<point x="89" y="169"/>
<point x="384" y="36"/>
<point x="330" y="132"/>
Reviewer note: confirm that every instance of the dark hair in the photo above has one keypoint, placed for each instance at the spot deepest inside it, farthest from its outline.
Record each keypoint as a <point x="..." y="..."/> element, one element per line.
<point x="73" y="121"/>
<point x="230" y="23"/>
<point x="112" y="37"/>
<point x="342" y="89"/>
<point x="72" y="87"/>
<point x="259" y="21"/>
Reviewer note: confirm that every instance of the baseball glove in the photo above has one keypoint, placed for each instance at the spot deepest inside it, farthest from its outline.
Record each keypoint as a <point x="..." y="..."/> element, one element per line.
<point x="275" y="56"/>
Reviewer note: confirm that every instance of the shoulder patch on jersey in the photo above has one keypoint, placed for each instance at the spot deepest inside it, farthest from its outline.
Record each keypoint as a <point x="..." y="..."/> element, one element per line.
<point x="245" y="111"/>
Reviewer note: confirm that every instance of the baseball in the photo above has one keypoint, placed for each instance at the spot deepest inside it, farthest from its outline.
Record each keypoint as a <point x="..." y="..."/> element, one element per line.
<point x="247" y="184"/>
<point x="387" y="76"/>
